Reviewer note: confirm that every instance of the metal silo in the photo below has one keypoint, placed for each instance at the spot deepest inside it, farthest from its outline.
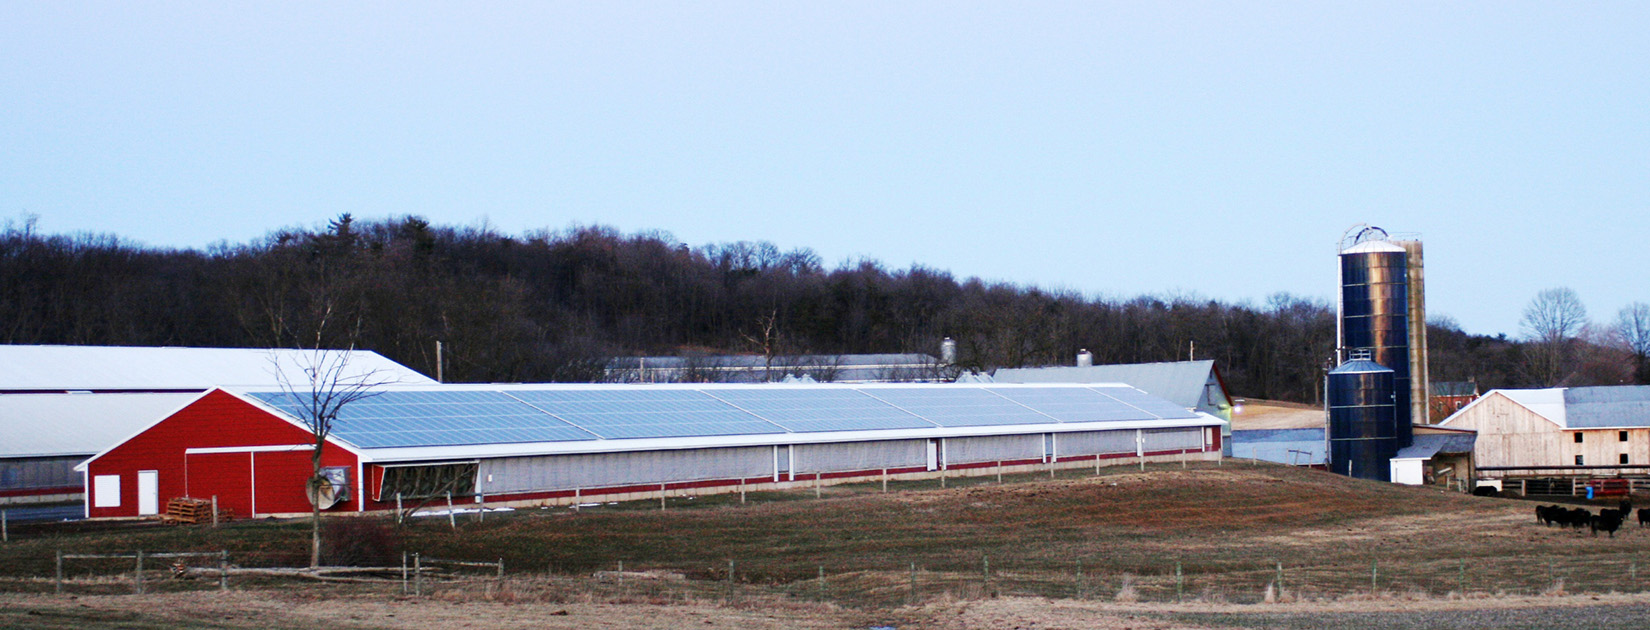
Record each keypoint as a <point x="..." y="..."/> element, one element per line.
<point x="1363" y="415"/>
<point x="1375" y="313"/>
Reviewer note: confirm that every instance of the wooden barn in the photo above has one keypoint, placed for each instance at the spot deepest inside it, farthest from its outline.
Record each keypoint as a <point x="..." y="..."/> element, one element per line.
<point x="557" y="444"/>
<point x="1576" y="431"/>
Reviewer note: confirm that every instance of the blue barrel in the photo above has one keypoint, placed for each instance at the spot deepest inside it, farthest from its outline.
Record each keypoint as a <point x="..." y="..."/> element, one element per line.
<point x="1363" y="420"/>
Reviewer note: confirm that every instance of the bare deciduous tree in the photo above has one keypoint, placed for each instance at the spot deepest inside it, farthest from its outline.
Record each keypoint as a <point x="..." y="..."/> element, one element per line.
<point x="1633" y="327"/>
<point x="328" y="385"/>
<point x="1552" y="321"/>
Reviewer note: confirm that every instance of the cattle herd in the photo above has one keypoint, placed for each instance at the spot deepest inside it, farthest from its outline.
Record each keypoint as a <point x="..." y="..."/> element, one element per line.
<point x="1607" y="520"/>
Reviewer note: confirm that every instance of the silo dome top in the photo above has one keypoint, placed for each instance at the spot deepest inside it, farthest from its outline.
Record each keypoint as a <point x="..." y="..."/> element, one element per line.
<point x="1367" y="247"/>
<point x="1360" y="366"/>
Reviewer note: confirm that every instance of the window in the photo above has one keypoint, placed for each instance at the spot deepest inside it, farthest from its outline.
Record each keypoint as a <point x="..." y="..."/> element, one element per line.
<point x="1621" y="436"/>
<point x="1579" y="461"/>
<point x="106" y="491"/>
<point x="433" y="480"/>
<point x="1578" y="437"/>
<point x="1623" y="458"/>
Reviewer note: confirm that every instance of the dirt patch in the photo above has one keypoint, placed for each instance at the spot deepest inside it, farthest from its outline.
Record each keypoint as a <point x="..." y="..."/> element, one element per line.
<point x="1266" y="414"/>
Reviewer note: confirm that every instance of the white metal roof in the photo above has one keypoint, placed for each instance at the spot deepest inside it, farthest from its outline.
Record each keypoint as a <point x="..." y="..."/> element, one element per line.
<point x="173" y="368"/>
<point x="56" y="425"/>
<point x="1372" y="246"/>
<point x="1180" y="382"/>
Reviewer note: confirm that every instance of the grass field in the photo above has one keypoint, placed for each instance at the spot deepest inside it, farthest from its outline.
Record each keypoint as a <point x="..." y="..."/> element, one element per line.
<point x="1114" y="537"/>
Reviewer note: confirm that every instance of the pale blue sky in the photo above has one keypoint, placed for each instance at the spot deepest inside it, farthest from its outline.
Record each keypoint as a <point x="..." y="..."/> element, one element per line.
<point x="1113" y="148"/>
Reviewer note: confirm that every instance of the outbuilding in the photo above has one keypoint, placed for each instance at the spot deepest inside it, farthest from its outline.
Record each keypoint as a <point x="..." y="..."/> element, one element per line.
<point x="557" y="444"/>
<point x="62" y="404"/>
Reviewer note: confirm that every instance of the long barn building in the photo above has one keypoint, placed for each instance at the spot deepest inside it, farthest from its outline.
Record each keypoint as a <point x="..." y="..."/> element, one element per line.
<point x="557" y="444"/>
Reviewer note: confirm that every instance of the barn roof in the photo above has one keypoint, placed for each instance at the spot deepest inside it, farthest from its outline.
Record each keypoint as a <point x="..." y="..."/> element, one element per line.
<point x="468" y="416"/>
<point x="133" y="368"/>
<point x="1179" y="382"/>
<point x="1607" y="407"/>
<point x="1284" y="446"/>
<point x="1428" y="445"/>
<point x="57" y="425"/>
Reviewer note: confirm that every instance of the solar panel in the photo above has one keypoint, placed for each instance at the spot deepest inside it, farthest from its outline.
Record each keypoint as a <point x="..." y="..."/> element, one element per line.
<point x="1072" y="404"/>
<point x="641" y="413"/>
<point x="958" y="407"/>
<point x="1145" y="402"/>
<point x="425" y="418"/>
<point x="411" y="418"/>
<point x="808" y="410"/>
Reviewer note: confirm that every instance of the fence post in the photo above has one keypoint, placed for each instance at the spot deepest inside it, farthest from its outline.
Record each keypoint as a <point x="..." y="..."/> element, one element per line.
<point x="481" y="508"/>
<point x="1374" y="575"/>
<point x="452" y="519"/>
<point x="399" y="517"/>
<point x="501" y="571"/>
<point x="403" y="566"/>
<point x="661" y="496"/>
<point x="1080" y="584"/>
<point x="1280" y="579"/>
<point x="1461" y="576"/>
<point x="578" y="498"/>
<point x="912" y="593"/>
<point x="59" y="583"/>
<point x="822" y="582"/>
<point x="214" y="511"/>
<point x="999" y="472"/>
<point x="621" y="572"/>
<point x="885" y="480"/>
<point x="741" y="491"/>
<point x="418" y="575"/>
<point x="137" y="575"/>
<point x="1179" y="584"/>
<point x="816" y="485"/>
<point x="5" y="528"/>
<point x="223" y="569"/>
<point x="728" y="596"/>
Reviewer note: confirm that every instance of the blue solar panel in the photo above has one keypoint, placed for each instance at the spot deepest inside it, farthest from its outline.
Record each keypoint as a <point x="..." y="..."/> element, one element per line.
<point x="959" y="406"/>
<point x="413" y="418"/>
<point x="1145" y="402"/>
<point x="643" y="413"/>
<point x="810" y="409"/>
<point x="425" y="418"/>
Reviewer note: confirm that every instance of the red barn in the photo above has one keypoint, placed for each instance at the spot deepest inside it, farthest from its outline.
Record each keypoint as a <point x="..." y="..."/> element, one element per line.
<point x="255" y="462"/>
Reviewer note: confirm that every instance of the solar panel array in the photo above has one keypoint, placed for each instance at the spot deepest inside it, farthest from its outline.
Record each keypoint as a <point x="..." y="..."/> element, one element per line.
<point x="408" y="418"/>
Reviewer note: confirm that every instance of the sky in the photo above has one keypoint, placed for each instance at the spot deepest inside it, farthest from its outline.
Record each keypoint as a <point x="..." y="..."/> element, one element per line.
<point x="1211" y="149"/>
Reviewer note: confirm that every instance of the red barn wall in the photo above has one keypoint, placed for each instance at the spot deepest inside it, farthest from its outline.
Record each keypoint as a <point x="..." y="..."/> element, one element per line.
<point x="219" y="420"/>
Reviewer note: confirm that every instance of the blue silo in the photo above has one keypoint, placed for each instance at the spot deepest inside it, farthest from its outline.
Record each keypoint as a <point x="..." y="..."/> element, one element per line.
<point x="1363" y="419"/>
<point x="1375" y="317"/>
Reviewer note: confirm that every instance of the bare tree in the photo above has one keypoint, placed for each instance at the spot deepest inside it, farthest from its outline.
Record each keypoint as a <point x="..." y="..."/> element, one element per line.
<point x="1633" y="327"/>
<point x="1552" y="321"/>
<point x="327" y="386"/>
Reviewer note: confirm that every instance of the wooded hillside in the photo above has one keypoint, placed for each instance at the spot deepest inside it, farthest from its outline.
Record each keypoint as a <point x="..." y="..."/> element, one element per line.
<point x="551" y="306"/>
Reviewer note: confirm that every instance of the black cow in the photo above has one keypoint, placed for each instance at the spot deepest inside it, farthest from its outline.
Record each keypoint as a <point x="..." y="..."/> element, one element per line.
<point x="1644" y="517"/>
<point x="1607" y="520"/>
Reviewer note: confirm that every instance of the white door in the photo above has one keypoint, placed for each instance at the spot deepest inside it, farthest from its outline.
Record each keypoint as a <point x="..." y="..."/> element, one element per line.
<point x="148" y="492"/>
<point x="933" y="454"/>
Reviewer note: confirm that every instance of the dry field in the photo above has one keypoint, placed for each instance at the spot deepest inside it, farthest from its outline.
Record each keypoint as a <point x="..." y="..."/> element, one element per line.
<point x="1170" y="547"/>
<point x="1274" y="414"/>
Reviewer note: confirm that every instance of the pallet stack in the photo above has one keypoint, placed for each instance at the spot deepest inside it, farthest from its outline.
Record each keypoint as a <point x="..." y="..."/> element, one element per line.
<point x="188" y="511"/>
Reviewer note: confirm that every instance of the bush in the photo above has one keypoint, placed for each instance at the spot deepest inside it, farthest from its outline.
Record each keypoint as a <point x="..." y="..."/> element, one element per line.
<point x="359" y="542"/>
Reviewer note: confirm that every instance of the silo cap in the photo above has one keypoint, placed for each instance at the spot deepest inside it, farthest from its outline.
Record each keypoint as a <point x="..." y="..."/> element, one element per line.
<point x="1360" y="366"/>
<point x="1368" y="247"/>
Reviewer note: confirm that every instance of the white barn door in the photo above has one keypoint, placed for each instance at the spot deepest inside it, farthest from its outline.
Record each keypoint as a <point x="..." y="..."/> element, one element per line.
<point x="148" y="485"/>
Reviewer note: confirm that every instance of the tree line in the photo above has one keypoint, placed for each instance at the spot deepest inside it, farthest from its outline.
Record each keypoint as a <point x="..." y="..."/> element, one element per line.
<point x="557" y="305"/>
